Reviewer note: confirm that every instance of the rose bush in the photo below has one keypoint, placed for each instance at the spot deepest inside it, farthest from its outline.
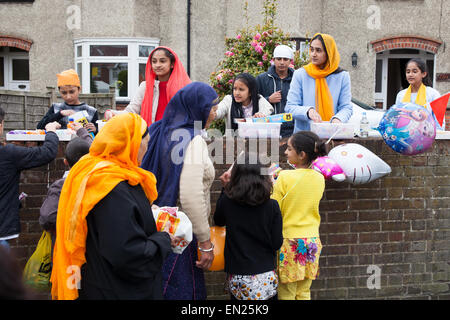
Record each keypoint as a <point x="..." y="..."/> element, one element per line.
<point x="251" y="51"/>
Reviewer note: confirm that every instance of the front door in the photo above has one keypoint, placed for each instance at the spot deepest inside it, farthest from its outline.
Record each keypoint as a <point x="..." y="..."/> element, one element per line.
<point x="390" y="73"/>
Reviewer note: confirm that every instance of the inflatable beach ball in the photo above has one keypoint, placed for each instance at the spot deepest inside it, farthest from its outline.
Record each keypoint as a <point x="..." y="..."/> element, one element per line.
<point x="408" y="128"/>
<point x="360" y="165"/>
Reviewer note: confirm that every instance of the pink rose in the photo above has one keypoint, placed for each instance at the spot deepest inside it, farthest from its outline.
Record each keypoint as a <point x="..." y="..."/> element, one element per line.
<point x="262" y="44"/>
<point x="258" y="49"/>
<point x="265" y="34"/>
<point x="219" y="77"/>
<point x="257" y="37"/>
<point x="238" y="36"/>
<point x="260" y="63"/>
<point x="264" y="57"/>
<point x="230" y="81"/>
<point x="254" y="43"/>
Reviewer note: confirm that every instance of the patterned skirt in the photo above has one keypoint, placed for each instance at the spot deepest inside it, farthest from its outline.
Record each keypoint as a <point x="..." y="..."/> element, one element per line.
<point x="299" y="259"/>
<point x="261" y="286"/>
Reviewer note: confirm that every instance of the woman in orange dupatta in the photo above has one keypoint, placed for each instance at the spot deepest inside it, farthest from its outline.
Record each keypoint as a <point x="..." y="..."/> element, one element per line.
<point x="164" y="76"/>
<point x="321" y="90"/>
<point x="107" y="245"/>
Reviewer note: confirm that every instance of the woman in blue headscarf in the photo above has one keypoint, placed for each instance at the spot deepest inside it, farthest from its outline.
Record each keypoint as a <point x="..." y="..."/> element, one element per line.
<point x="178" y="157"/>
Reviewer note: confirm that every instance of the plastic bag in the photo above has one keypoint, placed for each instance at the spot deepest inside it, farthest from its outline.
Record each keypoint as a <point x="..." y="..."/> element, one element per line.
<point x="38" y="269"/>
<point x="176" y="223"/>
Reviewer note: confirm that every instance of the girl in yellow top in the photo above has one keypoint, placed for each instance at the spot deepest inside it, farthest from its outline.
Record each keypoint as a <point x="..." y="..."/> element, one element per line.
<point x="298" y="193"/>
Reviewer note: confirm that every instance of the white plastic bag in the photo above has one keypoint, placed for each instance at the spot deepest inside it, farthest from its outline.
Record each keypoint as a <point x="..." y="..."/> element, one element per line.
<point x="176" y="223"/>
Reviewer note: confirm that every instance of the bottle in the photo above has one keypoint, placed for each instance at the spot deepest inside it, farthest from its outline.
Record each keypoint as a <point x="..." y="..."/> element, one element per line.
<point x="70" y="124"/>
<point x="364" y="126"/>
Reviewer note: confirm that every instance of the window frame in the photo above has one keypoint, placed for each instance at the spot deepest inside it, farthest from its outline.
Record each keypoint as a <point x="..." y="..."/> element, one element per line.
<point x="133" y="60"/>
<point x="8" y="57"/>
<point x="301" y="43"/>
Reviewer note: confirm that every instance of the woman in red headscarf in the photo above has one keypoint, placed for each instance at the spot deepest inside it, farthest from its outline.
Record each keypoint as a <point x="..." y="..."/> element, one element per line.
<point x="164" y="76"/>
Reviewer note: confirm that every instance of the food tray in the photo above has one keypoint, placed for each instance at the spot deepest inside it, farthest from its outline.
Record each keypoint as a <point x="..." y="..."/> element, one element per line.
<point x="37" y="135"/>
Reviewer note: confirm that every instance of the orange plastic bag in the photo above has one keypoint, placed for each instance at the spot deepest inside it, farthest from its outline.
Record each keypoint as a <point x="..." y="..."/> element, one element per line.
<point x="218" y="239"/>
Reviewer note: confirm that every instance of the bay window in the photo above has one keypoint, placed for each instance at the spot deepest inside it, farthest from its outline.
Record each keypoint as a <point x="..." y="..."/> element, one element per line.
<point x="117" y="62"/>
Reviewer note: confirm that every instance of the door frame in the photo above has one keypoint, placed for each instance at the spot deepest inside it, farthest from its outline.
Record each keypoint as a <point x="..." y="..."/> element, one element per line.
<point x="9" y="83"/>
<point x="384" y="56"/>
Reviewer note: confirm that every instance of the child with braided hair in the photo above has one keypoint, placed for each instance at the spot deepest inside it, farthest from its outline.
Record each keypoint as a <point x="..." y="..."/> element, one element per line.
<point x="298" y="193"/>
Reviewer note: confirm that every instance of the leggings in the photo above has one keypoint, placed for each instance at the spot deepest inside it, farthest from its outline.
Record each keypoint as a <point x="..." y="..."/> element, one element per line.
<point x="299" y="290"/>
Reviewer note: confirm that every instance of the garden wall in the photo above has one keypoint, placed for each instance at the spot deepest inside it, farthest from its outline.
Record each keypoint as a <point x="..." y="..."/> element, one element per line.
<point x="397" y="227"/>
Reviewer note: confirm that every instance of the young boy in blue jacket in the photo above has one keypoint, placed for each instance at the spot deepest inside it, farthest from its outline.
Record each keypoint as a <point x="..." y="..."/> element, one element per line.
<point x="274" y="84"/>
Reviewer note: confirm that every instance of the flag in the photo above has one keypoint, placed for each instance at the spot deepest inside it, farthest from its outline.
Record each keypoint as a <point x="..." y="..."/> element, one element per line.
<point x="439" y="107"/>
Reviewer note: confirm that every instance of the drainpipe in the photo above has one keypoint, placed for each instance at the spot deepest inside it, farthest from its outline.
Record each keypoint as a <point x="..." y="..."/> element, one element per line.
<point x="189" y="37"/>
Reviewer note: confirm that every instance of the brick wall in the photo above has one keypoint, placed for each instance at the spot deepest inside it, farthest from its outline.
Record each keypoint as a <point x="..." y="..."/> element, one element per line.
<point x="399" y="224"/>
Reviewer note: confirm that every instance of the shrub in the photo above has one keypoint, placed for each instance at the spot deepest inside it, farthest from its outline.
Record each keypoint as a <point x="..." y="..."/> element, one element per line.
<point x="251" y="51"/>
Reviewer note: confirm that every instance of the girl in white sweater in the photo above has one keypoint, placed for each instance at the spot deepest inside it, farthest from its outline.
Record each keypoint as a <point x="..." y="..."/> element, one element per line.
<point x="244" y="102"/>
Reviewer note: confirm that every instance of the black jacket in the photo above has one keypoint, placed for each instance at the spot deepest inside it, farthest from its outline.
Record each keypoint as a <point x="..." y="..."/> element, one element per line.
<point x="49" y="208"/>
<point x="14" y="159"/>
<point x="124" y="251"/>
<point x="253" y="235"/>
<point x="54" y="114"/>
<point x="268" y="83"/>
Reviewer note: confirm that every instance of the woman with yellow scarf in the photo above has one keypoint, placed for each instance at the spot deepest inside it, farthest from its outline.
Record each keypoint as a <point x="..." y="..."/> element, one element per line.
<point x="419" y="91"/>
<point x="107" y="245"/>
<point x="320" y="91"/>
